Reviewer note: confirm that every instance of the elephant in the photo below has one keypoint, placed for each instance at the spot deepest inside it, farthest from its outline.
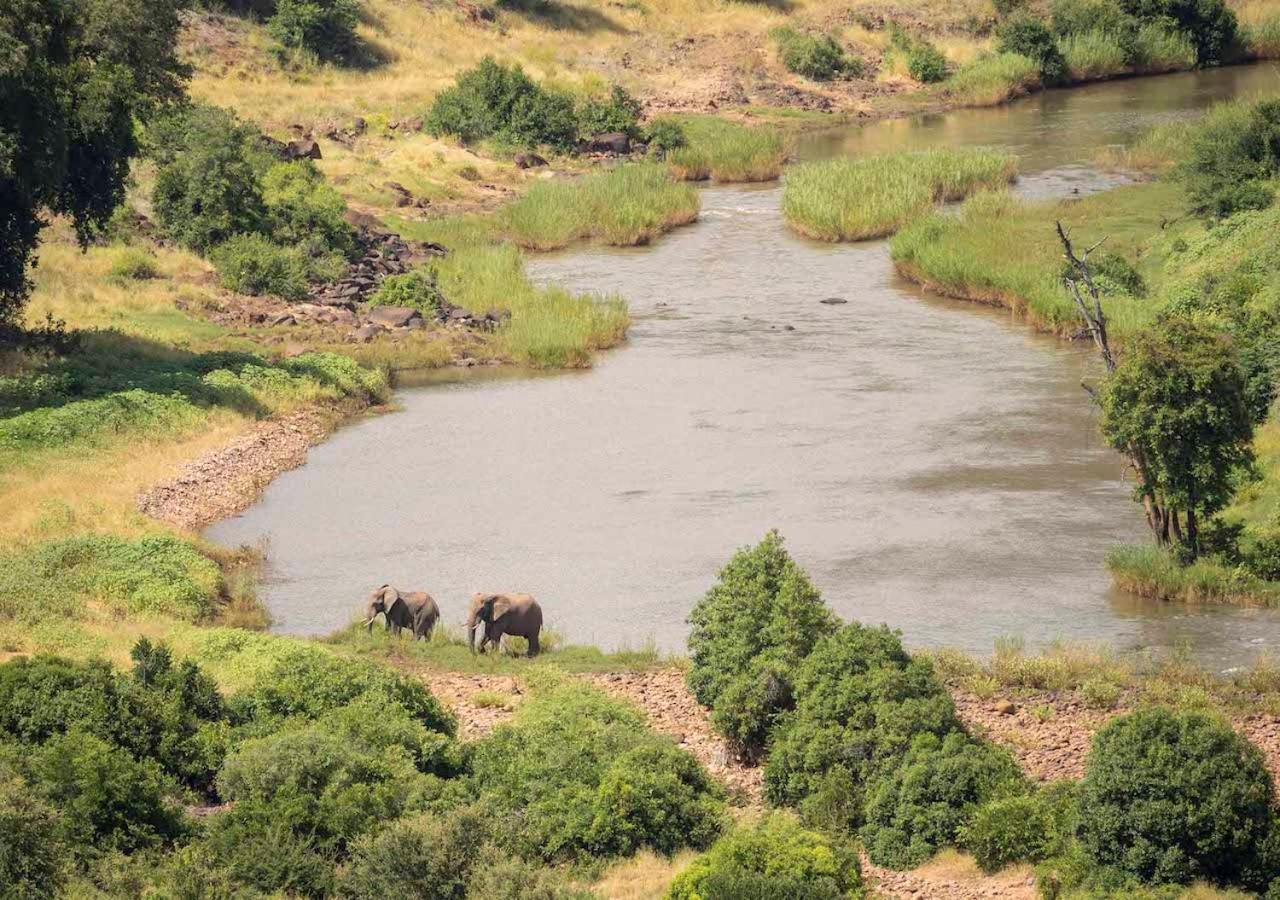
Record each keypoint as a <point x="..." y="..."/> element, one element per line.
<point x="517" y="614"/>
<point x="414" y="610"/>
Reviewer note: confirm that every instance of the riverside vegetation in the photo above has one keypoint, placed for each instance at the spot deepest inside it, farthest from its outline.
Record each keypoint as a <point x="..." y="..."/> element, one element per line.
<point x="1186" y="282"/>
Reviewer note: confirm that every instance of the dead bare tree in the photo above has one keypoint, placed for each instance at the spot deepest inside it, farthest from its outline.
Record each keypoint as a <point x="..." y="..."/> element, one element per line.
<point x="1161" y="519"/>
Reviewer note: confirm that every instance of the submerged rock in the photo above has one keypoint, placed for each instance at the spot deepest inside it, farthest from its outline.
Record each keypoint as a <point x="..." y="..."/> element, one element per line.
<point x="833" y="301"/>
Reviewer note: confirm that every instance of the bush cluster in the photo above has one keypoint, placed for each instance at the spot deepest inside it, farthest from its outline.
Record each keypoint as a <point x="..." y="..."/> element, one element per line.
<point x="498" y="102"/>
<point x="269" y="226"/>
<point x="813" y="56"/>
<point x="1028" y="36"/>
<point x="775" y="859"/>
<point x="750" y="631"/>
<point x="418" y="290"/>
<point x="1233" y="155"/>
<point x="1023" y="827"/>
<point x="325" y="28"/>
<point x="1144" y="31"/>
<point x="925" y="62"/>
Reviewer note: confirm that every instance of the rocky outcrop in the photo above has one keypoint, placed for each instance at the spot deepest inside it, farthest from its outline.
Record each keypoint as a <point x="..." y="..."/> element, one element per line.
<point x="615" y="142"/>
<point x="302" y="149"/>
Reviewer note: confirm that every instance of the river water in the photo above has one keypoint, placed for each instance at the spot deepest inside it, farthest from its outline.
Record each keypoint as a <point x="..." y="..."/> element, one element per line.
<point x="932" y="464"/>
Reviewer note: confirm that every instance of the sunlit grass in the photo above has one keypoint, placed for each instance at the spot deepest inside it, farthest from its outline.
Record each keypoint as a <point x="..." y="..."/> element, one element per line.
<point x="993" y="79"/>
<point x="860" y="198"/>
<point x="728" y="152"/>
<point x="1091" y="55"/>
<point x="1149" y="572"/>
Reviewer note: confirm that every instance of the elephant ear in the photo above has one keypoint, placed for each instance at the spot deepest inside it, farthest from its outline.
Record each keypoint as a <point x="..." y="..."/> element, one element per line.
<point x="501" y="606"/>
<point x="389" y="596"/>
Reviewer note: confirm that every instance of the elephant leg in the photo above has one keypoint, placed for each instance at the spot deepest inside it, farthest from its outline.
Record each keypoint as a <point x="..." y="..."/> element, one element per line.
<point x="533" y="644"/>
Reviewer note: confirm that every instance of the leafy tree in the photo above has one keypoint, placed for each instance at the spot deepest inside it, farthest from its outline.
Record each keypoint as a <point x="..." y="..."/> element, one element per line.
<point x="1210" y="24"/>
<point x="1177" y="404"/>
<point x="326" y="28"/>
<point x="74" y="80"/>
<point x="619" y="112"/>
<point x="31" y="857"/>
<point x="1236" y="148"/>
<point x="1030" y="37"/>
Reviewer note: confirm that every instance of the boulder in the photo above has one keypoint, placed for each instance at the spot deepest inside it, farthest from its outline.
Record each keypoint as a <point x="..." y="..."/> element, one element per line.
<point x="341" y="316"/>
<point x="282" y="318"/>
<point x="367" y="332"/>
<point x="529" y="161"/>
<point x="302" y="149"/>
<point x="392" y="316"/>
<point x="611" y="142"/>
<point x="403" y="196"/>
<point x="410" y="124"/>
<point x="833" y="301"/>
<point x="358" y="125"/>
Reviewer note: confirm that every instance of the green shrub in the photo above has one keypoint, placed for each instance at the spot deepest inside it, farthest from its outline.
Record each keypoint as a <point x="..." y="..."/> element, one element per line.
<point x="576" y="774"/>
<point x="418" y="290"/>
<point x="1005" y="8"/>
<point x="32" y="861"/>
<point x="133" y="264"/>
<point x="1260" y="552"/>
<point x="1210" y="24"/>
<point x="1171" y="797"/>
<point x="1070" y="17"/>
<point x="619" y="112"/>
<point x="304" y="211"/>
<point x="419" y="858"/>
<point x="924" y="803"/>
<point x="860" y="700"/>
<point x="1027" y="36"/>
<point x="498" y="876"/>
<point x="267" y="856"/>
<point x="1119" y="273"/>
<point x="665" y="135"/>
<point x="760" y="619"/>
<point x="1234" y="146"/>
<point x="493" y="100"/>
<point x="208" y="177"/>
<point x="817" y="57"/>
<point x="926" y="63"/>
<point x="1026" y="828"/>
<point x="254" y="264"/>
<point x="775" y="859"/>
<point x="326" y="28"/>
<point x="108" y="800"/>
<point x="994" y="78"/>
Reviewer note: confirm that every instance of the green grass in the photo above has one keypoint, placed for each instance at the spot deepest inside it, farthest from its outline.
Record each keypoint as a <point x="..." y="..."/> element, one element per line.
<point x="993" y="79"/>
<point x="625" y="206"/>
<point x="1152" y="573"/>
<point x="728" y="152"/>
<point x="860" y="198"/>
<point x="1092" y="55"/>
<point x="1158" y="48"/>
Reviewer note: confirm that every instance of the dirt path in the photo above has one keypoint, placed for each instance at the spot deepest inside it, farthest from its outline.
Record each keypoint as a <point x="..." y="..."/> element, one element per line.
<point x="1049" y="733"/>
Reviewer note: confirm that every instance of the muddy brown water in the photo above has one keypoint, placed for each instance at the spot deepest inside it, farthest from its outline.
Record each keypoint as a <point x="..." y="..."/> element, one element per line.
<point x="933" y="464"/>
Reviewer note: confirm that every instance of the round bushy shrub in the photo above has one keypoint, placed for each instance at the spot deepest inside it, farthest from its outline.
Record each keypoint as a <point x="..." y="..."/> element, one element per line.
<point x="860" y="700"/>
<point x="1026" y="35"/>
<point x="618" y="112"/>
<point x="326" y="28"/>
<point x="418" y="858"/>
<point x="665" y="135"/>
<point x="775" y="859"/>
<point x="1025" y="828"/>
<point x="254" y="264"/>
<point x="920" y="806"/>
<point x="497" y="101"/>
<point x="418" y="290"/>
<point x="303" y="210"/>
<point x="31" y="857"/>
<point x="926" y="63"/>
<point x="1171" y="797"/>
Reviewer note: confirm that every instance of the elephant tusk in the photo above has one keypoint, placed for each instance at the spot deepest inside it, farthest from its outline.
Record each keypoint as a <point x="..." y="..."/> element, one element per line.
<point x="369" y="621"/>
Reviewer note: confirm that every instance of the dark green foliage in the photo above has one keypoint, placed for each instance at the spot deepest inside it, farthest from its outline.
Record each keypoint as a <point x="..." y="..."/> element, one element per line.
<point x="619" y="112"/>
<point x="861" y="698"/>
<point x="1025" y="828"/>
<point x="254" y="264"/>
<point x="1113" y="273"/>
<point x="326" y="28"/>
<point x="1260" y="552"/>
<point x="748" y="707"/>
<point x="922" y="804"/>
<point x="1210" y="24"/>
<point x="815" y="56"/>
<point x="269" y="856"/>
<point x="74" y="79"/>
<point x="496" y="101"/>
<point x="577" y="774"/>
<point x="419" y="858"/>
<point x="1027" y="35"/>
<point x="304" y="211"/>
<point x="1176" y="796"/>
<point x="776" y="859"/>
<point x="926" y="63"/>
<point x="168" y="713"/>
<point x="1230" y="153"/>
<point x="418" y="290"/>
<point x="1178" y="398"/>
<point x="108" y="800"/>
<point x="32" y="864"/>
<point x="665" y="135"/>
<point x="209" y="177"/>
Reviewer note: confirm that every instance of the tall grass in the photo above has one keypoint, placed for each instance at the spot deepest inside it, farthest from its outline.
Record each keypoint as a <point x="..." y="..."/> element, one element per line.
<point x="993" y="79"/>
<point x="861" y="198"/>
<point x="626" y="206"/>
<point x="1150" y="572"/>
<point x="1159" y="48"/>
<point x="1259" y="28"/>
<point x="728" y="152"/>
<point x="1092" y="55"/>
<point x="1156" y="151"/>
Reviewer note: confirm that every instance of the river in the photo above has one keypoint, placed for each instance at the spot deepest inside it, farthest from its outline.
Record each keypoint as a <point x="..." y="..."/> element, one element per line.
<point x="932" y="464"/>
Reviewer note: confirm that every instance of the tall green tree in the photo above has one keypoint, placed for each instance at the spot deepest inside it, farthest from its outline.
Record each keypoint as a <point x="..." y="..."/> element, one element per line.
<point x="1176" y="403"/>
<point x="75" y="78"/>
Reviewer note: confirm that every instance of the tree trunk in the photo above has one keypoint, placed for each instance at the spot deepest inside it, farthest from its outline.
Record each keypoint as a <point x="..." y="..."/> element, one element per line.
<point x="1177" y="526"/>
<point x="1193" y="533"/>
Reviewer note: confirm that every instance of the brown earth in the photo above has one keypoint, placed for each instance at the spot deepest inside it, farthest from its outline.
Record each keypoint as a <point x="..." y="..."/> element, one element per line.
<point x="1048" y="733"/>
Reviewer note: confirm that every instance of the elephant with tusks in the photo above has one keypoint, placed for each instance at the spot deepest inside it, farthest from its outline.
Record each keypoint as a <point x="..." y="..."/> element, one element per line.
<point x="414" y="610"/>
<point x="515" y="614"/>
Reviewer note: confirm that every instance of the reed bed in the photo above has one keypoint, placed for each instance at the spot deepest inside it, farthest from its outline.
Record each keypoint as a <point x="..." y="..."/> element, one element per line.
<point x="869" y="197"/>
<point x="993" y="79"/>
<point x="728" y="152"/>
<point x="626" y="206"/>
<point x="1092" y="55"/>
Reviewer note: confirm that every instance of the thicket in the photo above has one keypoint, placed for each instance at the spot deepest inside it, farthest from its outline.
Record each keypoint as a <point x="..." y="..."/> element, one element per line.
<point x="1023" y="827"/>
<point x="325" y="28"/>
<point x="774" y="859"/>
<point x="270" y="226"/>
<point x="419" y="289"/>
<point x="814" y="56"/>
<point x="498" y="102"/>
<point x="924" y="61"/>
<point x="1028" y="36"/>
<point x="1233" y="155"/>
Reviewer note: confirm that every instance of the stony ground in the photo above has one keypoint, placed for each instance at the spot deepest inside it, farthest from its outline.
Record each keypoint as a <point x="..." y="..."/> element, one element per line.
<point x="1049" y="733"/>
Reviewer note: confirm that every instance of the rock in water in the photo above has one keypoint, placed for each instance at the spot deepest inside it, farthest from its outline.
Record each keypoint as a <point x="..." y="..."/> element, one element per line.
<point x="833" y="301"/>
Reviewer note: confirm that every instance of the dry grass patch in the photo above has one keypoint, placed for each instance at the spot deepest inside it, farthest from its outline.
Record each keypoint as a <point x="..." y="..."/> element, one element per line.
<point x="643" y="877"/>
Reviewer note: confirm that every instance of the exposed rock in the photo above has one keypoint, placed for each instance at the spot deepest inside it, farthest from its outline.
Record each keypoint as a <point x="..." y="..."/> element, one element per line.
<point x="833" y="301"/>
<point x="283" y="318"/>
<point x="392" y="316"/>
<point x="302" y="149"/>
<point x="1006" y="708"/>
<point x="409" y="125"/>
<point x="367" y="332"/>
<point x="358" y="125"/>
<point x="404" y="197"/>
<point x="611" y="142"/>
<point x="529" y="160"/>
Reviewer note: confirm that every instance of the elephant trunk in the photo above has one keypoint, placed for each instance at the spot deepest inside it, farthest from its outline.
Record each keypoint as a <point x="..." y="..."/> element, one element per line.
<point x="368" y="623"/>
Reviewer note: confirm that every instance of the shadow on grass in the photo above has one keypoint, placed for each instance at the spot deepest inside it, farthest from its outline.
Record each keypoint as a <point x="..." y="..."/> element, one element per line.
<point x="562" y="16"/>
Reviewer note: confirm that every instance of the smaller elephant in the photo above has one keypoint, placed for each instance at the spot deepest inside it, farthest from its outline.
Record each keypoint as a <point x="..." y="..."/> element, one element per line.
<point x="414" y="610"/>
<point x="516" y="614"/>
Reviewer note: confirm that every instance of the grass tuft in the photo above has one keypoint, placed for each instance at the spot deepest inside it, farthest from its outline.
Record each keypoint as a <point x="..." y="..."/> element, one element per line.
<point x="728" y="152"/>
<point x="1150" y="572"/>
<point x="870" y="197"/>
<point x="993" y="79"/>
